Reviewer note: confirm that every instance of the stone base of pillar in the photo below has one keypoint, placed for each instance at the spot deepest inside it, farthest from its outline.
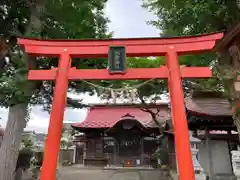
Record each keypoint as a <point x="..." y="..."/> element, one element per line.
<point x="236" y="163"/>
<point x="199" y="172"/>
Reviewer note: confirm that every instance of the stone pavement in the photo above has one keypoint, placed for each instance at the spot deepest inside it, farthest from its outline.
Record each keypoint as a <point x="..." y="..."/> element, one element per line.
<point x="78" y="173"/>
<point x="73" y="173"/>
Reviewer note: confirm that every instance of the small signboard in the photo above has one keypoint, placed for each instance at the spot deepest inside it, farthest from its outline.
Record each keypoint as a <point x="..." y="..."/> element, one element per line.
<point x="117" y="60"/>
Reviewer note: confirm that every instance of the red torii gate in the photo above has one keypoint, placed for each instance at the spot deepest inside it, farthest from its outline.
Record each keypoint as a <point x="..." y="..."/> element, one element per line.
<point x="136" y="47"/>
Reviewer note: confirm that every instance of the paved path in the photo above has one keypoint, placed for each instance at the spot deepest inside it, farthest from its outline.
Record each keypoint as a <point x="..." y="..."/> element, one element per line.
<point x="75" y="173"/>
<point x="72" y="173"/>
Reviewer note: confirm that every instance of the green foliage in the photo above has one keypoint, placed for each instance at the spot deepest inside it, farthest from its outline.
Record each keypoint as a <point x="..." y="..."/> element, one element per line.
<point x="67" y="138"/>
<point x="13" y="15"/>
<point x="156" y="155"/>
<point x="140" y="63"/>
<point x="83" y="19"/>
<point x="146" y="62"/>
<point x="187" y="17"/>
<point x="27" y="145"/>
<point x="65" y="19"/>
<point x="161" y="154"/>
<point x="14" y="86"/>
<point x="236" y="113"/>
<point x="24" y="159"/>
<point x="155" y="86"/>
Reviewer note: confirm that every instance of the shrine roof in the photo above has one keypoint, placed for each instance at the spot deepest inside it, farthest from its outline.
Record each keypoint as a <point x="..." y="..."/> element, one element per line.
<point x="107" y="116"/>
<point x="208" y="104"/>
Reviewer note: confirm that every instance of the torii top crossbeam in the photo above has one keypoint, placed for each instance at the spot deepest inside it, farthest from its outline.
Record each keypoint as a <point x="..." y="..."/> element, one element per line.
<point x="135" y="47"/>
<point x="138" y="47"/>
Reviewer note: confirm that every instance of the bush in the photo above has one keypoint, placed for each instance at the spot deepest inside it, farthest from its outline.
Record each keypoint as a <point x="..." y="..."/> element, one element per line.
<point x="161" y="154"/>
<point x="24" y="159"/>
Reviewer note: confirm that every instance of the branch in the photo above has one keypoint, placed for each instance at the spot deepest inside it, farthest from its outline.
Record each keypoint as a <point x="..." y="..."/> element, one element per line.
<point x="73" y="103"/>
<point x="151" y="112"/>
<point x="146" y="109"/>
<point x="4" y="49"/>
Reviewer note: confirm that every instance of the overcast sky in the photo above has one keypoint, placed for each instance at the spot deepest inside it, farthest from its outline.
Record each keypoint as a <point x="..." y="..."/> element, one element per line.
<point x="128" y="19"/>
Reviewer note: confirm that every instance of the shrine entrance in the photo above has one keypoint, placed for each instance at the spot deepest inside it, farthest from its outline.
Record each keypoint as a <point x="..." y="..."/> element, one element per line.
<point x="128" y="135"/>
<point x="171" y="48"/>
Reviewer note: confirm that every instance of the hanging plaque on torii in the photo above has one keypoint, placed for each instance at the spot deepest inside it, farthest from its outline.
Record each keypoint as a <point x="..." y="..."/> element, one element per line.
<point x="171" y="48"/>
<point x="117" y="60"/>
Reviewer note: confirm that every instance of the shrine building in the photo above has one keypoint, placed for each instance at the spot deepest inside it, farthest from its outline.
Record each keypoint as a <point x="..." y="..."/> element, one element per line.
<point x="121" y="135"/>
<point x="210" y="118"/>
<point x="126" y="135"/>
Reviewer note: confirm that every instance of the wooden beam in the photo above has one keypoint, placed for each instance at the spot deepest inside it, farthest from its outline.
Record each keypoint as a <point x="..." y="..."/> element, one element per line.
<point x="138" y="73"/>
<point x="120" y="41"/>
<point x="182" y="144"/>
<point x="136" y="47"/>
<point x="131" y="50"/>
<point x="227" y="38"/>
<point x="52" y="147"/>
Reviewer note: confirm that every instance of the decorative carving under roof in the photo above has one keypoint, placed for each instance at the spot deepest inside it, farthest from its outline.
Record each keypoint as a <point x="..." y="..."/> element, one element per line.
<point x="128" y="116"/>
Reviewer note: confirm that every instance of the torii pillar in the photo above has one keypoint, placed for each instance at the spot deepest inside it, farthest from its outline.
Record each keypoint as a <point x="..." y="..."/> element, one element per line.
<point x="138" y="47"/>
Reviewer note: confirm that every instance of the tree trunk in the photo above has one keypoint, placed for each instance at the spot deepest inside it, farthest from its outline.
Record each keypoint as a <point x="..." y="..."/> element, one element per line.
<point x="16" y="119"/>
<point x="11" y="141"/>
<point x="228" y="68"/>
<point x="18" y="174"/>
<point x="237" y="123"/>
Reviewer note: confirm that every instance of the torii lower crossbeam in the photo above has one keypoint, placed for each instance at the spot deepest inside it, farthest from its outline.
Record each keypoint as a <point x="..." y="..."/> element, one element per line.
<point x="169" y="47"/>
<point x="102" y="74"/>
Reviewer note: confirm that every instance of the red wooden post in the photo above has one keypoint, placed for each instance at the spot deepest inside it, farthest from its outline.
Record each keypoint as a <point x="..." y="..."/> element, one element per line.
<point x="48" y="171"/>
<point x="183" y="148"/>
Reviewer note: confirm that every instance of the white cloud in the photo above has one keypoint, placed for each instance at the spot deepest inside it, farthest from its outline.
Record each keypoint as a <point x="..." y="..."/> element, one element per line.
<point x="3" y="116"/>
<point x="38" y="123"/>
<point x="39" y="119"/>
<point x="86" y="99"/>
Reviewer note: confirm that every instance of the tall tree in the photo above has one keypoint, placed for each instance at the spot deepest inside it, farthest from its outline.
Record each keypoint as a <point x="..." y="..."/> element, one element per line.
<point x="84" y="19"/>
<point x="17" y="105"/>
<point x="192" y="17"/>
<point x="188" y="17"/>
